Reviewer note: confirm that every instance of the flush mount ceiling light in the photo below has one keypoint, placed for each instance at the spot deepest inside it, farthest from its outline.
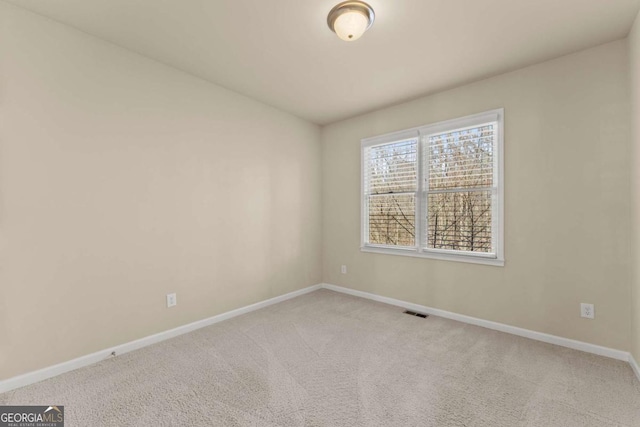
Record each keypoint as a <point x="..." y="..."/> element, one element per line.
<point x="350" y="19"/>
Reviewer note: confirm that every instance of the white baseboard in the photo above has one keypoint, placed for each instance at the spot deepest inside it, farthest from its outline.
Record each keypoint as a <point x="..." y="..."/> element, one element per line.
<point x="52" y="371"/>
<point x="538" y="336"/>
<point x="61" y="368"/>
<point x="634" y="366"/>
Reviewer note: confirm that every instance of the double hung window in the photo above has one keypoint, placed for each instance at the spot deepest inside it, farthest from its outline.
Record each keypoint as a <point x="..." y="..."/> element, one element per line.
<point x="436" y="191"/>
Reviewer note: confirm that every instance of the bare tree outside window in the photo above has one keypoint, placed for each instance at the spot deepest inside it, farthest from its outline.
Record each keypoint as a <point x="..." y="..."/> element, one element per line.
<point x="392" y="184"/>
<point x="460" y="180"/>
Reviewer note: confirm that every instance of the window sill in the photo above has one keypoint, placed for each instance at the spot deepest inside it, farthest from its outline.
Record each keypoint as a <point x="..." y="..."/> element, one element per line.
<point x="434" y="255"/>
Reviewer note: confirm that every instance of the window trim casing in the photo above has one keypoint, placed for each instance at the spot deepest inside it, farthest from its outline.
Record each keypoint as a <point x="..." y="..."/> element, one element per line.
<point x="420" y="132"/>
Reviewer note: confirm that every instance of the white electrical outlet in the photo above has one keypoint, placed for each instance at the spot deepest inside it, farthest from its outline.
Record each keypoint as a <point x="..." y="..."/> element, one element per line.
<point x="171" y="300"/>
<point x="343" y="269"/>
<point x="587" y="311"/>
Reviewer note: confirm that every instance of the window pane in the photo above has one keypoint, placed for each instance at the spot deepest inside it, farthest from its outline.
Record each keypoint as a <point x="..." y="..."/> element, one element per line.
<point x="391" y="168"/>
<point x="462" y="158"/>
<point x="392" y="219"/>
<point x="460" y="221"/>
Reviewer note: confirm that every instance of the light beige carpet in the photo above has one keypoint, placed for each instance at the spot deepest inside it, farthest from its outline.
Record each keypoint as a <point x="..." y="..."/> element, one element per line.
<point x="327" y="359"/>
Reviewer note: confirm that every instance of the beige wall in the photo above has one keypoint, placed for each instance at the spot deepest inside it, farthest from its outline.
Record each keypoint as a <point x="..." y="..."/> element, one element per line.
<point x="122" y="180"/>
<point x="634" y="59"/>
<point x="567" y="207"/>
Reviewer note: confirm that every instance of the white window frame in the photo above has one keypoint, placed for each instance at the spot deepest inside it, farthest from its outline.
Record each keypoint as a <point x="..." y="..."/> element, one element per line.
<point x="420" y="249"/>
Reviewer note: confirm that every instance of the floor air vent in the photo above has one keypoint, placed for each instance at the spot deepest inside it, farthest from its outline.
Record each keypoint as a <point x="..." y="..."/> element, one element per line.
<point x="413" y="313"/>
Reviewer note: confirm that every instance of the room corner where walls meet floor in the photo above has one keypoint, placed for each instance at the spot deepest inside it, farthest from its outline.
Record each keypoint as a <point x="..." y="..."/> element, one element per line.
<point x="52" y="371"/>
<point x="329" y="358"/>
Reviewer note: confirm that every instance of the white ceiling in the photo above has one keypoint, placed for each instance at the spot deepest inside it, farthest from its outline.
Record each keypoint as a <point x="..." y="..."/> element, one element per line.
<point x="281" y="52"/>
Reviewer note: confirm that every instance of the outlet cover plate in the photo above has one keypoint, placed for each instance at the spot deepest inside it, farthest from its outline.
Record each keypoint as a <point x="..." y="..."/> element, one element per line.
<point x="172" y="300"/>
<point x="587" y="311"/>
